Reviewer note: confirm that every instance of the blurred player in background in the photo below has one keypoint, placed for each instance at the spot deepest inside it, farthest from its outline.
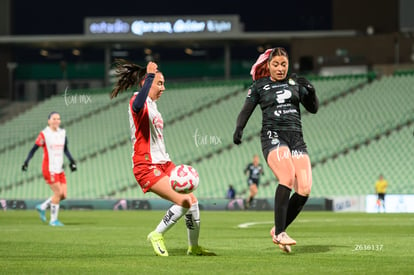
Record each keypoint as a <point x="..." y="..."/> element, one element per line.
<point x="151" y="163"/>
<point x="380" y="189"/>
<point x="3" y="204"/>
<point x="55" y="143"/>
<point x="282" y="141"/>
<point x="253" y="170"/>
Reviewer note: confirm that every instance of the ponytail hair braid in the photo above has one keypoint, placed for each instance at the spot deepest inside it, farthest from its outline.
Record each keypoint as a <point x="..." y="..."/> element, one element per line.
<point x="128" y="74"/>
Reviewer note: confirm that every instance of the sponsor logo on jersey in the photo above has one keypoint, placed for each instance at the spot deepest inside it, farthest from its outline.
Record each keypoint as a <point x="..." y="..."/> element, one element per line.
<point x="57" y="146"/>
<point x="290" y="111"/>
<point x="275" y="86"/>
<point x="282" y="95"/>
<point x="158" y="122"/>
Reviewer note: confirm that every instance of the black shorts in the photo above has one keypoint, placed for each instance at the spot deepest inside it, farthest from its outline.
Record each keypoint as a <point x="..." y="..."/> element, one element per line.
<point x="381" y="196"/>
<point x="251" y="181"/>
<point x="273" y="140"/>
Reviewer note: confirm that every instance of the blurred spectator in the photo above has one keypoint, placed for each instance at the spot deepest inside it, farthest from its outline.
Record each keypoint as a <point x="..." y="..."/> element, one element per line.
<point x="231" y="193"/>
<point x="121" y="205"/>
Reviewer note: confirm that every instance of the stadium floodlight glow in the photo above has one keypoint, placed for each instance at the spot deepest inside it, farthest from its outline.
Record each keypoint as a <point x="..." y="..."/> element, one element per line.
<point x="181" y="26"/>
<point x="153" y="25"/>
<point x="76" y="52"/>
<point x="118" y="26"/>
<point x="141" y="27"/>
<point x="44" y="52"/>
<point x="218" y="26"/>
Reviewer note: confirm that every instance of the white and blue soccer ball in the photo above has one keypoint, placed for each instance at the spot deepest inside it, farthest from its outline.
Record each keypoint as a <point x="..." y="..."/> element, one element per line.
<point x="184" y="179"/>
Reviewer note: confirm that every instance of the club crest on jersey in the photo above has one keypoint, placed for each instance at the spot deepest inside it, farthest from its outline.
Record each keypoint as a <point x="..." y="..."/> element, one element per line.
<point x="157" y="172"/>
<point x="291" y="81"/>
<point x="249" y="92"/>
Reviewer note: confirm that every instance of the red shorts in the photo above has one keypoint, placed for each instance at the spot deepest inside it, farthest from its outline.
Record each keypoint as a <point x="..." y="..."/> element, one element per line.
<point x="149" y="174"/>
<point x="52" y="178"/>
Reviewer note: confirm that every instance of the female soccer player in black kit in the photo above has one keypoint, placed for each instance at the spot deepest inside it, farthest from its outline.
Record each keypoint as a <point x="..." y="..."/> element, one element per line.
<point x="254" y="170"/>
<point x="282" y="141"/>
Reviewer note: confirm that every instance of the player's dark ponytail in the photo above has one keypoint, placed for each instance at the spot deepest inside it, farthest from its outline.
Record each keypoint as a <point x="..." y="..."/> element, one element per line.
<point x="128" y="74"/>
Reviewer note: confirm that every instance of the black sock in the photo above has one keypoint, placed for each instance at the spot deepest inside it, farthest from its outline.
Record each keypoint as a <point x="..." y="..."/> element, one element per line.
<point x="296" y="204"/>
<point x="281" y="206"/>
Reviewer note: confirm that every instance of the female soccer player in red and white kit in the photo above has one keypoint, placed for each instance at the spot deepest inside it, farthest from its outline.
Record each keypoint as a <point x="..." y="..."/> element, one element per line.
<point x="54" y="142"/>
<point x="151" y="163"/>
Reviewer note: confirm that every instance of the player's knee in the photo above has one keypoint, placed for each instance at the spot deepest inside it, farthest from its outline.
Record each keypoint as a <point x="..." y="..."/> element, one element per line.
<point x="55" y="199"/>
<point x="305" y="190"/>
<point x="193" y="198"/>
<point x="186" y="202"/>
<point x="288" y="178"/>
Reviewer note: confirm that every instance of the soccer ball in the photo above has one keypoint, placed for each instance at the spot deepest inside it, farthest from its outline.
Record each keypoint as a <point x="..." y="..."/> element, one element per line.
<point x="184" y="179"/>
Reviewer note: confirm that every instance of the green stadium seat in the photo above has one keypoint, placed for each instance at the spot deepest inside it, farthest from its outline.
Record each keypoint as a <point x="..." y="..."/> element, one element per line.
<point x="99" y="139"/>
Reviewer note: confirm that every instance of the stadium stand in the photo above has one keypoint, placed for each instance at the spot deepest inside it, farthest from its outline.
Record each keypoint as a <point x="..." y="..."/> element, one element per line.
<point x="359" y="132"/>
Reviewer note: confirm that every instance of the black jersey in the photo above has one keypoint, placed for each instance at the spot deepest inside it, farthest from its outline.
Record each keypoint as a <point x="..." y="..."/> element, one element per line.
<point x="254" y="172"/>
<point x="279" y="101"/>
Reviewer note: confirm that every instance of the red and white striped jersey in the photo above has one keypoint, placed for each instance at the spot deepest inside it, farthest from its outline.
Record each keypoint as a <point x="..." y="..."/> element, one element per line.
<point x="53" y="143"/>
<point x="147" y="134"/>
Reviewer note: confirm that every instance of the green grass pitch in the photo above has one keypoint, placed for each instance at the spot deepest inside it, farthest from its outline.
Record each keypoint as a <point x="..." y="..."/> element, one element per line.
<point x="114" y="242"/>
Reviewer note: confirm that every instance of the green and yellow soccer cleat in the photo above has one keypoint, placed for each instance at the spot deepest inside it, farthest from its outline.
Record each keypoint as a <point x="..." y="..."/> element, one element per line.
<point x="157" y="241"/>
<point x="199" y="251"/>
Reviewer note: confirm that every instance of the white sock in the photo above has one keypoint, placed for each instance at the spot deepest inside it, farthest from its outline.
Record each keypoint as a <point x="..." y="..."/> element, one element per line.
<point x="174" y="213"/>
<point x="46" y="204"/>
<point x="54" y="211"/>
<point x="192" y="221"/>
